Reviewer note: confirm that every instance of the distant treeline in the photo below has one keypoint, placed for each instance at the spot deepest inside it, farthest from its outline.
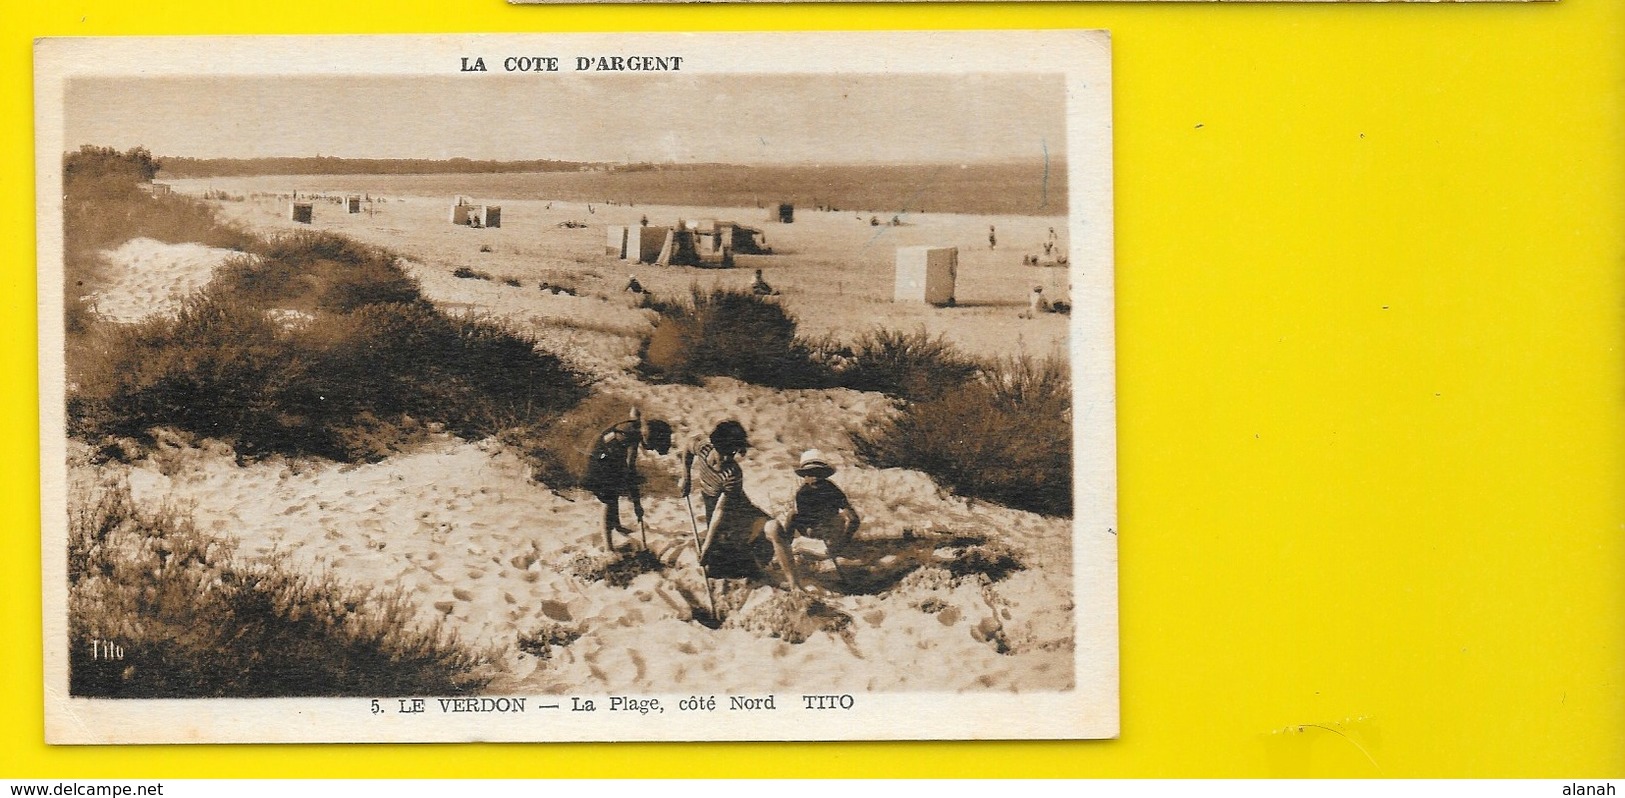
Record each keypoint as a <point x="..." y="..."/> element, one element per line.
<point x="174" y="167"/>
<point x="881" y="190"/>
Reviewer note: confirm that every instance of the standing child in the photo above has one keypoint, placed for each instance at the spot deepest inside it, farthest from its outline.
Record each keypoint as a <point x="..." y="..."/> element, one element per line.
<point x="740" y="539"/>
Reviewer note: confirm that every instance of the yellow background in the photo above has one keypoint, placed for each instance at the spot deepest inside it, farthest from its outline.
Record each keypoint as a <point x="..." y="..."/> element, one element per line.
<point x="1372" y="437"/>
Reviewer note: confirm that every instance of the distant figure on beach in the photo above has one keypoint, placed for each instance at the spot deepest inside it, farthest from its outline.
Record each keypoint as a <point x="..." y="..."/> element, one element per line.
<point x="634" y="286"/>
<point x="759" y="287"/>
<point x="644" y="222"/>
<point x="736" y="543"/>
<point x="1035" y="301"/>
<point x="992" y="238"/>
<point x="819" y="510"/>
<point x="612" y="467"/>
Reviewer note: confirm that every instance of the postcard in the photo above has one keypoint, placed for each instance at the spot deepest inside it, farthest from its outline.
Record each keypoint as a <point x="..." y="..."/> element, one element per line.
<point x="577" y="387"/>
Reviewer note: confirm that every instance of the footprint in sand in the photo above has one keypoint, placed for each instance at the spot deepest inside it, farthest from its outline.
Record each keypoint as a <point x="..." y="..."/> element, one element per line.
<point x="555" y="610"/>
<point x="445" y="607"/>
<point x="462" y="595"/>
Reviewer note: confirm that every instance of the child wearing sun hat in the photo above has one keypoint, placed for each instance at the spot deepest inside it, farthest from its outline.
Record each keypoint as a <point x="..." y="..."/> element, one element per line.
<point x="820" y="509"/>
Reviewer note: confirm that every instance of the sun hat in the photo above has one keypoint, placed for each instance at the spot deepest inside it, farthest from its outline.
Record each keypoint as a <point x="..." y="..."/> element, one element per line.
<point x="813" y="464"/>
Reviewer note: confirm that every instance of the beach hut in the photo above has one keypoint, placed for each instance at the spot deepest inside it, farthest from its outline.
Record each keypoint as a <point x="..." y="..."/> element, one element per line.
<point x="644" y="243"/>
<point x="668" y="249"/>
<point x="301" y="212"/>
<point x="743" y="240"/>
<point x="926" y="274"/>
<point x="352" y="203"/>
<point x="615" y="243"/>
<point x="714" y="240"/>
<point x="783" y="213"/>
<point x="459" y="213"/>
<point x="485" y="216"/>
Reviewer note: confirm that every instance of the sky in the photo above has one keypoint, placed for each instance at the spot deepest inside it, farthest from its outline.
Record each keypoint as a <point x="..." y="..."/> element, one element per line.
<point x="751" y="119"/>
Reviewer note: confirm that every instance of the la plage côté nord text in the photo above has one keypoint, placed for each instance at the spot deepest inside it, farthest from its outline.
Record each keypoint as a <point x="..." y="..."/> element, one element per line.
<point x="642" y="706"/>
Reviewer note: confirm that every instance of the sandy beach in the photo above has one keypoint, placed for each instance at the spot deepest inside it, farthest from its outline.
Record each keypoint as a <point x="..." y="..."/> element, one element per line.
<point x="480" y="547"/>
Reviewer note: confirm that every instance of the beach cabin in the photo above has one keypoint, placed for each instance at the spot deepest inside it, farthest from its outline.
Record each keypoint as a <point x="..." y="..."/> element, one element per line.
<point x="744" y="240"/>
<point x="352" y="204"/>
<point x="783" y="213"/>
<point x="460" y="208"/>
<point x="301" y="212"/>
<point x="615" y="243"/>
<point x="926" y="274"/>
<point x="668" y="249"/>
<point x="485" y="216"/>
<point x="643" y="244"/>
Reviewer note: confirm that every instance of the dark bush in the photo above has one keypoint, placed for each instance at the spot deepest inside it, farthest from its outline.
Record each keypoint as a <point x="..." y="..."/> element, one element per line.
<point x="192" y="620"/>
<point x="728" y="333"/>
<point x="312" y="271"/>
<point x="351" y="387"/>
<point x="1004" y="436"/>
<point x="211" y="370"/>
<point x="911" y="365"/>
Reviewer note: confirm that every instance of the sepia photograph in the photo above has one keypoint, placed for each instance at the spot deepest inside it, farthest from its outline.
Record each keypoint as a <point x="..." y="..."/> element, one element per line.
<point x="590" y="387"/>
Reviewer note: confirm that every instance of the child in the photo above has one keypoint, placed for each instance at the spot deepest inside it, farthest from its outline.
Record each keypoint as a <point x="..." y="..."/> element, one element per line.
<point x="820" y="509"/>
<point x="740" y="539"/>
<point x="612" y="467"/>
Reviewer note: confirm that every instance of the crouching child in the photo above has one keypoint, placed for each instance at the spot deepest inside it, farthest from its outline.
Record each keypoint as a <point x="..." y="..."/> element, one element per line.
<point x="612" y="467"/>
<point x="819" y="510"/>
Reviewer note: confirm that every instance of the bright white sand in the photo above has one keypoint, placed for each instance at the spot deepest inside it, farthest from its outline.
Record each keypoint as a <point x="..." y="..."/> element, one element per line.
<point x="151" y="277"/>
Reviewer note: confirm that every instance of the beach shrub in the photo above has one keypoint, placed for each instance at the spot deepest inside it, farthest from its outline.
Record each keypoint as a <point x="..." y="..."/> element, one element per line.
<point x="191" y="619"/>
<point x="909" y="365"/>
<point x="1004" y="436"/>
<point x="616" y="568"/>
<point x="347" y="386"/>
<point x="316" y="271"/>
<point x="727" y="333"/>
<point x="791" y="617"/>
<point x="541" y="641"/>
